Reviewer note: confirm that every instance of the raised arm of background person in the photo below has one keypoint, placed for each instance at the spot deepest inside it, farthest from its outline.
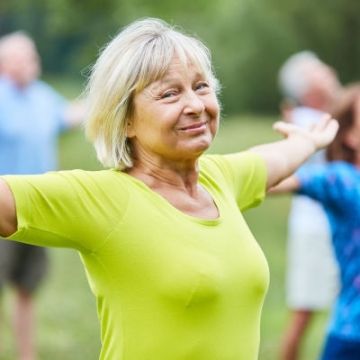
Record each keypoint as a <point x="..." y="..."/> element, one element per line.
<point x="75" y="112"/>
<point x="283" y="157"/>
<point x="8" y="222"/>
<point x="290" y="184"/>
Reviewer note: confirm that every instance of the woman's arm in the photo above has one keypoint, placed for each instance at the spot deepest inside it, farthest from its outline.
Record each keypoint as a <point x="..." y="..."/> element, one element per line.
<point x="8" y="222"/>
<point x="290" y="184"/>
<point x="283" y="157"/>
<point x="75" y="112"/>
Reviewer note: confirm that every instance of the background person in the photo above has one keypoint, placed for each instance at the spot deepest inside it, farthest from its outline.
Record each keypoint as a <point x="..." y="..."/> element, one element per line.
<point x="337" y="186"/>
<point x="175" y="269"/>
<point x="32" y="115"/>
<point x="310" y="88"/>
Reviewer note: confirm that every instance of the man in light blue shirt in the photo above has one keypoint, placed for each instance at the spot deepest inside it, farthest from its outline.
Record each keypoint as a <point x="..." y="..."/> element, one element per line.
<point x="32" y="115"/>
<point x="31" y="119"/>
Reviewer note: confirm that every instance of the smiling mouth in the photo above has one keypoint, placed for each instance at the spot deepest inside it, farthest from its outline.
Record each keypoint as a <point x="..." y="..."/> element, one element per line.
<point x="194" y="127"/>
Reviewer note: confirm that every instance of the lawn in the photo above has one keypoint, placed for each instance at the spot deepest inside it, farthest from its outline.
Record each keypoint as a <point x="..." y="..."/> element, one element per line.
<point x="67" y="321"/>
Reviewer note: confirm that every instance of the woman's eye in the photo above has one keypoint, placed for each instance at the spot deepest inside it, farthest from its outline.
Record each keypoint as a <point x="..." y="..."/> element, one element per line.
<point x="202" y="85"/>
<point x="168" y="94"/>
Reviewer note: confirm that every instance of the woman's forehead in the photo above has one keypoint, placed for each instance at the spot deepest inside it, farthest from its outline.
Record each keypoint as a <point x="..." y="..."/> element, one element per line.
<point x="177" y="66"/>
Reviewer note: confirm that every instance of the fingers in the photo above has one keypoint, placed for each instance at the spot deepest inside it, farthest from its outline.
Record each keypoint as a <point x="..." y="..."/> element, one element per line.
<point x="319" y="125"/>
<point x="321" y="134"/>
<point x="324" y="121"/>
<point x="332" y="128"/>
<point x="284" y="128"/>
<point x="327" y="125"/>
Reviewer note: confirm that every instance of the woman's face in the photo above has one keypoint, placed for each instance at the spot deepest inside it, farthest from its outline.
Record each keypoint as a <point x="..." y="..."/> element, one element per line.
<point x="175" y="118"/>
<point x="356" y="125"/>
<point x="352" y="136"/>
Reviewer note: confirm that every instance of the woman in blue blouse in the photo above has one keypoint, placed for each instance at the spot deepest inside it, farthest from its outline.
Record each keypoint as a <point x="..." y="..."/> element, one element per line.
<point x="337" y="186"/>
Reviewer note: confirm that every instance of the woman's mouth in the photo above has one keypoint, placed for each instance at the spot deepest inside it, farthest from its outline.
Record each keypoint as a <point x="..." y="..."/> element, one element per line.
<point x="198" y="127"/>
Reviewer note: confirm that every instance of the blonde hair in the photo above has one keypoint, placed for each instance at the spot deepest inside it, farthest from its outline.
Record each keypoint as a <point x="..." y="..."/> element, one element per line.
<point x="135" y="58"/>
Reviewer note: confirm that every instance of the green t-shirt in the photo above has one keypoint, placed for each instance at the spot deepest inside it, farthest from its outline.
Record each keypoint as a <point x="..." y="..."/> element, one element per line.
<point x="169" y="286"/>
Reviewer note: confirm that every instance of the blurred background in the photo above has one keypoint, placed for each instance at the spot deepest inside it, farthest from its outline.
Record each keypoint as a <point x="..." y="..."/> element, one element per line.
<point x="249" y="40"/>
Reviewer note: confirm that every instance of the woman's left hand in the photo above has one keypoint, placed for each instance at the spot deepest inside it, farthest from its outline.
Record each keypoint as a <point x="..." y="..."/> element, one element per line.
<point x="320" y="134"/>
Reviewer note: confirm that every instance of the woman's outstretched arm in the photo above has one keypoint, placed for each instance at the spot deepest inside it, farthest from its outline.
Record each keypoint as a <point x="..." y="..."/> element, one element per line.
<point x="8" y="222"/>
<point x="283" y="157"/>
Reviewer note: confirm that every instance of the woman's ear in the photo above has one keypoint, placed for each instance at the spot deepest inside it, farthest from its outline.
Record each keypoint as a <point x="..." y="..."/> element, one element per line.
<point x="130" y="132"/>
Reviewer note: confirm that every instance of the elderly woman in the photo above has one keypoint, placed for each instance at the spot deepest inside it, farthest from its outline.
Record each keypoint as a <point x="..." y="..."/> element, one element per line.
<point x="175" y="269"/>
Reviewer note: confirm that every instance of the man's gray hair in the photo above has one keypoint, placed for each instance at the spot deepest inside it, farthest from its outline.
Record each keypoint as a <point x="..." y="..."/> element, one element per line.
<point x="292" y="79"/>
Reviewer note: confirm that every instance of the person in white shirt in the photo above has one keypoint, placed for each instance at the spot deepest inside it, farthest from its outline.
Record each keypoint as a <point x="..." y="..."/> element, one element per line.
<point x="312" y="275"/>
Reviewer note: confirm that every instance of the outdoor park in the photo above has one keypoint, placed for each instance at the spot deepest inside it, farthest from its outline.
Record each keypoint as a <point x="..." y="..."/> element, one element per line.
<point x="249" y="40"/>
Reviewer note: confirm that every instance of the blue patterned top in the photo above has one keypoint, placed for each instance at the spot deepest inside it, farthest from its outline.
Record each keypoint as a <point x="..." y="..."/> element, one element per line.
<point x="337" y="186"/>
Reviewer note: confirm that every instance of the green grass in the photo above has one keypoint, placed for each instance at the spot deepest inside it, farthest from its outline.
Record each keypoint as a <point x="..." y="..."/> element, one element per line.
<point x="67" y="322"/>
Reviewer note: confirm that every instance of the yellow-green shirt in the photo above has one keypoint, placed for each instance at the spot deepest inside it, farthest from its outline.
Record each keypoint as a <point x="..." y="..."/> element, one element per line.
<point x="169" y="286"/>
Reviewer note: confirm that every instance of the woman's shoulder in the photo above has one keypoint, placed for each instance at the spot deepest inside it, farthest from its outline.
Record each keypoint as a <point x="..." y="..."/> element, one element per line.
<point x="336" y="174"/>
<point x="341" y="169"/>
<point x="239" y="157"/>
<point x="81" y="175"/>
<point x="236" y="166"/>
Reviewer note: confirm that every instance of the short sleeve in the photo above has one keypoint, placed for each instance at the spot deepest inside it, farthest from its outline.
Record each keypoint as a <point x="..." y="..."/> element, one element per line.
<point x="243" y="174"/>
<point x="55" y="209"/>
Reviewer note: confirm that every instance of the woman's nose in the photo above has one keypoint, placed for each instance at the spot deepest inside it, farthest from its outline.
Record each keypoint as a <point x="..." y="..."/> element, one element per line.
<point x="193" y="104"/>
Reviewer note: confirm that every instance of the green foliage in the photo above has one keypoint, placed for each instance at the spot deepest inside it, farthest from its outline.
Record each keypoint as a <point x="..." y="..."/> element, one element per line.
<point x="249" y="39"/>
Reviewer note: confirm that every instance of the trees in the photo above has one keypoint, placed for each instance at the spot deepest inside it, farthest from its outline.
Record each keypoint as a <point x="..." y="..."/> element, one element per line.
<point x="256" y="37"/>
<point x="249" y="39"/>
